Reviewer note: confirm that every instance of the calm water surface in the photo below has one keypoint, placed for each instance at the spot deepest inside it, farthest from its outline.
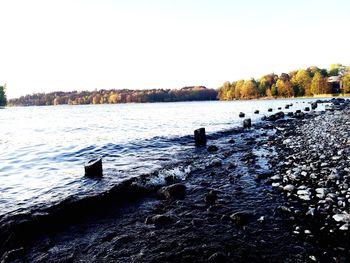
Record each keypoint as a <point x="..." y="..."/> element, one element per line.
<point x="43" y="149"/>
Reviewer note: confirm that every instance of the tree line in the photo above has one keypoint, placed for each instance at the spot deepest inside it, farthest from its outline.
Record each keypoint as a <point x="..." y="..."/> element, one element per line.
<point x="3" y="99"/>
<point x="303" y="82"/>
<point x="193" y="93"/>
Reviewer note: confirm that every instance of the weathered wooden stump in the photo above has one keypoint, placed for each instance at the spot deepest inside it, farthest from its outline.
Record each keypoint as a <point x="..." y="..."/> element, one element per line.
<point x="93" y="168"/>
<point x="247" y="123"/>
<point x="241" y="115"/>
<point x="200" y="137"/>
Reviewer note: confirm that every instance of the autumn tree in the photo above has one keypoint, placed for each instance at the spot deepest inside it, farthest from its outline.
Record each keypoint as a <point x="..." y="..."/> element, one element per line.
<point x="238" y="89"/>
<point x="249" y="89"/>
<point x="319" y="84"/>
<point x="284" y="88"/>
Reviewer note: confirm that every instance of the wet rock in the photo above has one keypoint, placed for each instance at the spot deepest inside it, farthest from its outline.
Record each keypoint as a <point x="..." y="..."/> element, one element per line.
<point x="321" y="192"/>
<point x="261" y="220"/>
<point x="215" y="162"/>
<point x="218" y="257"/>
<point x="211" y="198"/>
<point x="276" y="116"/>
<point x="263" y="175"/>
<point x="256" y="112"/>
<point x="241" y="115"/>
<point x="269" y="110"/>
<point x="160" y="220"/>
<point x="175" y="191"/>
<point x="342" y="217"/>
<point x="344" y="227"/>
<point x="213" y="148"/>
<point x="242" y="217"/>
<point x="12" y="255"/>
<point x="299" y="115"/>
<point x="284" y="209"/>
<point x="289" y="188"/>
<point x="307" y="109"/>
<point x="304" y="194"/>
<point x="275" y="178"/>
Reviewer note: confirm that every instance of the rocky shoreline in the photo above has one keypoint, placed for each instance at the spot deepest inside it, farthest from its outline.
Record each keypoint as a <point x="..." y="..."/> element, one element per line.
<point x="312" y="172"/>
<point x="275" y="193"/>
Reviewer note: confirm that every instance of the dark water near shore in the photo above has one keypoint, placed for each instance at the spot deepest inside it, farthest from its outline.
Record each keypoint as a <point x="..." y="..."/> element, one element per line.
<point x="43" y="148"/>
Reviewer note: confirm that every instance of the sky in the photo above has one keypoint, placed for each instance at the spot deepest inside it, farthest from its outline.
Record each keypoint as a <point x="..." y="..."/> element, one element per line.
<point x="65" y="45"/>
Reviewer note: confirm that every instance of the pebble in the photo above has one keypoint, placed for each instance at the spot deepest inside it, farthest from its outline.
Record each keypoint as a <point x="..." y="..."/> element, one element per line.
<point x="342" y="218"/>
<point x="289" y="188"/>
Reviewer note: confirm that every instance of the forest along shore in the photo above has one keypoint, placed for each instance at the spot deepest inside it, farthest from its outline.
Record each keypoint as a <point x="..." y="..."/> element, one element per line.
<point x="276" y="192"/>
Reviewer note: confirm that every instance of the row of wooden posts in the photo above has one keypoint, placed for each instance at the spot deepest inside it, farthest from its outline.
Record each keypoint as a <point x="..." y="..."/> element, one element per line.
<point x="93" y="168"/>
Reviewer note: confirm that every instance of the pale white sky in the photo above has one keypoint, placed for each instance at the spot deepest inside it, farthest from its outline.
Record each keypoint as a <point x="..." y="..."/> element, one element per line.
<point x="50" y="45"/>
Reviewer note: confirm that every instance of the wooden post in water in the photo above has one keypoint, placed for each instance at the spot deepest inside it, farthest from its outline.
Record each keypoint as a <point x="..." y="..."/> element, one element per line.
<point x="93" y="168"/>
<point x="200" y="137"/>
<point x="241" y="115"/>
<point x="247" y="123"/>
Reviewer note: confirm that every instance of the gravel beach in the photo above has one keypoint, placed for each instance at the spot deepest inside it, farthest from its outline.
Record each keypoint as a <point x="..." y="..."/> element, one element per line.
<point x="278" y="192"/>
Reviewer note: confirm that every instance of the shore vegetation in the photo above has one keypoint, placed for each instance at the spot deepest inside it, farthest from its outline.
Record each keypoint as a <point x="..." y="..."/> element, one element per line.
<point x="3" y="99"/>
<point x="309" y="82"/>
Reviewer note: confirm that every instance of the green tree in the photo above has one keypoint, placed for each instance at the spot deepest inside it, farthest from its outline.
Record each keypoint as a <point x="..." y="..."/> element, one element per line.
<point x="274" y="91"/>
<point x="263" y="85"/>
<point x="3" y="99"/>
<point x="302" y="83"/>
<point x="334" y="69"/>
<point x="345" y="82"/>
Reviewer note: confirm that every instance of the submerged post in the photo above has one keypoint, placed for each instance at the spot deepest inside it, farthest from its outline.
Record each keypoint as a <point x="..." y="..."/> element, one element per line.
<point x="93" y="168"/>
<point x="247" y="123"/>
<point x="200" y="137"/>
<point x="241" y="115"/>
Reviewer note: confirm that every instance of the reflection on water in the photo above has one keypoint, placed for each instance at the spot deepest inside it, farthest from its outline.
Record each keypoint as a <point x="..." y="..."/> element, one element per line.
<point x="43" y="148"/>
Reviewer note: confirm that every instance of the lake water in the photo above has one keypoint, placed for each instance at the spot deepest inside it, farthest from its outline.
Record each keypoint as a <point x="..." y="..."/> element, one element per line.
<point x="43" y="149"/>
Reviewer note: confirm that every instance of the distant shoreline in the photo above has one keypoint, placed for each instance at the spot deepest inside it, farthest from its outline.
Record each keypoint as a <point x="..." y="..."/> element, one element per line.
<point x="322" y="96"/>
